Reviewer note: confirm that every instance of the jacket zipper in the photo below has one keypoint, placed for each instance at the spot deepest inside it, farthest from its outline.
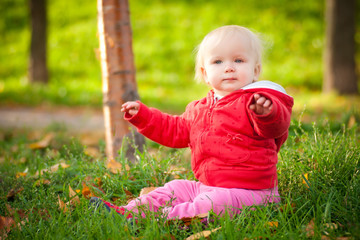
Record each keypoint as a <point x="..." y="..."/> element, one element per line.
<point x="209" y="113"/>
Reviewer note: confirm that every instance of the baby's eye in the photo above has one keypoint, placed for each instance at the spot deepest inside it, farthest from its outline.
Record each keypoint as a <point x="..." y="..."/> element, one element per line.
<point x="217" y="61"/>
<point x="239" y="60"/>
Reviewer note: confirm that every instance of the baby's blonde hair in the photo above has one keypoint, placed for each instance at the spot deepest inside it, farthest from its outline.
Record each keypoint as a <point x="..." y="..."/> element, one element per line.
<point x="216" y="36"/>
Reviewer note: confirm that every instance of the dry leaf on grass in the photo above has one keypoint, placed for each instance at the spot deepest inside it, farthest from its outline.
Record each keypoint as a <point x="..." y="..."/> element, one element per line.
<point x="274" y="224"/>
<point x="176" y="171"/>
<point x="203" y="234"/>
<point x="53" y="168"/>
<point x="129" y="195"/>
<point x="73" y="196"/>
<point x="310" y="228"/>
<point x="74" y="200"/>
<point x="43" y="143"/>
<point x="62" y="205"/>
<point x="12" y="193"/>
<point x="86" y="192"/>
<point x="92" y="152"/>
<point x="333" y="227"/>
<point x="12" y="212"/>
<point x="42" y="181"/>
<point x="306" y="179"/>
<point x="187" y="221"/>
<point x="21" y="174"/>
<point x="288" y="208"/>
<point x="116" y="167"/>
<point x="7" y="223"/>
<point x="146" y="190"/>
<point x="89" y="192"/>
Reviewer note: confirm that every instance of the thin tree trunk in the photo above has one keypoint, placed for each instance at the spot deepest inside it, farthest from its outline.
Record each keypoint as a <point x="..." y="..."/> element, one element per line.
<point x="339" y="55"/>
<point x="38" y="71"/>
<point x="118" y="74"/>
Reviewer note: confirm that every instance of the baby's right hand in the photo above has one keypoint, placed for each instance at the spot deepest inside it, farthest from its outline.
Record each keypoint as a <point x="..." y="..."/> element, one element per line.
<point x="131" y="108"/>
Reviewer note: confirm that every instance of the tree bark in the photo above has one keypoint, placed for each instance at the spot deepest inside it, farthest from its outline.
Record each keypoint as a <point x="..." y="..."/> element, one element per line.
<point x="118" y="74"/>
<point x="339" y="56"/>
<point x="38" y="71"/>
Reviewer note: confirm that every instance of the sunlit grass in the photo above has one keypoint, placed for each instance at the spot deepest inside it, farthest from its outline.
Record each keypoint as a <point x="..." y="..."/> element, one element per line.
<point x="318" y="180"/>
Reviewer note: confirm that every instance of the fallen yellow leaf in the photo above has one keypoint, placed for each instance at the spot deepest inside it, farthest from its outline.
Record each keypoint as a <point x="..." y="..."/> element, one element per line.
<point x="273" y="224"/>
<point x="21" y="174"/>
<point x="86" y="191"/>
<point x="53" y="168"/>
<point x="92" y="152"/>
<point x="146" y="190"/>
<point x="203" y="234"/>
<point x="202" y="215"/>
<point x="42" y="182"/>
<point x="306" y="179"/>
<point x="62" y="205"/>
<point x="73" y="196"/>
<point x="43" y="143"/>
<point x="116" y="167"/>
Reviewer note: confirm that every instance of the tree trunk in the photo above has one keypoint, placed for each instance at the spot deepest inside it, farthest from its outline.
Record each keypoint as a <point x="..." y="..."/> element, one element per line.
<point x="339" y="56"/>
<point x="118" y="74"/>
<point x="38" y="71"/>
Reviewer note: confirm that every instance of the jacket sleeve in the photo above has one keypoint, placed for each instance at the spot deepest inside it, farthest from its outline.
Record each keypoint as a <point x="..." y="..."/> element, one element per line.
<point x="276" y="123"/>
<point x="168" y="130"/>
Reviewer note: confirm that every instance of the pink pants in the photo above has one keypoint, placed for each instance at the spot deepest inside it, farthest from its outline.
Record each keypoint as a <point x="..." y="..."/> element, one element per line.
<point x="184" y="198"/>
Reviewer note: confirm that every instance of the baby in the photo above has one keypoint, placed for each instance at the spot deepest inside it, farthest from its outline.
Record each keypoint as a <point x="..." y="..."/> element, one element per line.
<point x="234" y="133"/>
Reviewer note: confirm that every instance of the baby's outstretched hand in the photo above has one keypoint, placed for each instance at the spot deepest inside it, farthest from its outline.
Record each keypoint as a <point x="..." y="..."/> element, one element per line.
<point x="261" y="105"/>
<point x="131" y="108"/>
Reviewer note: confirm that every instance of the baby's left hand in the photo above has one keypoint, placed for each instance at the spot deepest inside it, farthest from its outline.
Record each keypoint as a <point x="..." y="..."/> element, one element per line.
<point x="261" y="105"/>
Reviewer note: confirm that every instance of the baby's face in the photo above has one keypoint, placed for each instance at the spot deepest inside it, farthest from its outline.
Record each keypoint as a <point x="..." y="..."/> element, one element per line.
<point x="230" y="65"/>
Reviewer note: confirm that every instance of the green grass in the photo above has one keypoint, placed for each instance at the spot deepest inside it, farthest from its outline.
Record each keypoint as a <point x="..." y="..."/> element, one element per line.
<point x="165" y="34"/>
<point x="328" y="154"/>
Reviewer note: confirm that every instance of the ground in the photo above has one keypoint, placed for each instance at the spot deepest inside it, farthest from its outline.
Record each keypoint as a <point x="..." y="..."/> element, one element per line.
<point x="77" y="120"/>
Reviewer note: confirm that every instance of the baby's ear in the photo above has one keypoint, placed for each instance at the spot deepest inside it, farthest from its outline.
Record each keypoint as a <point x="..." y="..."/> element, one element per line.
<point x="204" y="74"/>
<point x="257" y="71"/>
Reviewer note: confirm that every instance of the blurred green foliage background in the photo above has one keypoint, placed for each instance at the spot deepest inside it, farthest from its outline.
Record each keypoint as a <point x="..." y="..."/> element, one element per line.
<point x="165" y="33"/>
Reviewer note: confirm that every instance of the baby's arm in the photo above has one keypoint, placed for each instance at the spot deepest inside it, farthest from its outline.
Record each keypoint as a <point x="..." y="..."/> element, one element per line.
<point x="131" y="108"/>
<point x="261" y="105"/>
<point x="168" y="130"/>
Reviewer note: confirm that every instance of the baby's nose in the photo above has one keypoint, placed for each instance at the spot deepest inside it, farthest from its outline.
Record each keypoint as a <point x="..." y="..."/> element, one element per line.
<point x="229" y="68"/>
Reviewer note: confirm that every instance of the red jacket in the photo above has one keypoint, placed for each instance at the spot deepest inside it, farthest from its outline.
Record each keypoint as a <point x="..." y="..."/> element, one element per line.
<point x="231" y="146"/>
